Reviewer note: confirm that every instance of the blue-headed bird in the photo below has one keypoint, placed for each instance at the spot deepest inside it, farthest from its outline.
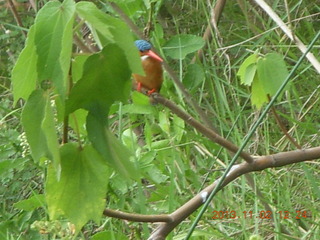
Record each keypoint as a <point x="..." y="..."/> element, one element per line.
<point x="152" y="66"/>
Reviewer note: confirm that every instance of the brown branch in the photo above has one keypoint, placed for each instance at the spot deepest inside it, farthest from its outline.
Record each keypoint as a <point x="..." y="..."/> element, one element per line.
<point x="137" y="217"/>
<point x="261" y="163"/>
<point x="213" y="136"/>
<point x="84" y="48"/>
<point x="282" y="127"/>
<point x="16" y="15"/>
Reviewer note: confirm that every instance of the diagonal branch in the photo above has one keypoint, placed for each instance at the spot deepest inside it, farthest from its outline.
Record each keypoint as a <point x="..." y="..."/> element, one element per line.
<point x="213" y="136"/>
<point x="137" y="217"/>
<point x="261" y="163"/>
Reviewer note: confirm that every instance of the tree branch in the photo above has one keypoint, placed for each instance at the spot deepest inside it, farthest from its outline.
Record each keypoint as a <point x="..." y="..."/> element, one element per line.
<point x="213" y="136"/>
<point x="261" y="163"/>
<point x="16" y="16"/>
<point x="138" y="217"/>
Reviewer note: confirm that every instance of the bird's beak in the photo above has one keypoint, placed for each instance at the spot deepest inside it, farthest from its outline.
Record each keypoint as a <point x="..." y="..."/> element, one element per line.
<point x="154" y="55"/>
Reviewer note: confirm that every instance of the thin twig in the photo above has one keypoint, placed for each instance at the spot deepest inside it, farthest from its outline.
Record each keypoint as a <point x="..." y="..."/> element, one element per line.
<point x="282" y="127"/>
<point x="134" y="217"/>
<point x="16" y="16"/>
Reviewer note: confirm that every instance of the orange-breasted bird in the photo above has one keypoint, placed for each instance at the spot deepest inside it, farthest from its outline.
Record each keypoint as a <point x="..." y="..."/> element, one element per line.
<point x="152" y="66"/>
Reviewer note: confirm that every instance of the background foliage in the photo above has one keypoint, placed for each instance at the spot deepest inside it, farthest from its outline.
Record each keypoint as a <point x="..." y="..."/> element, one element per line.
<point x="175" y="162"/>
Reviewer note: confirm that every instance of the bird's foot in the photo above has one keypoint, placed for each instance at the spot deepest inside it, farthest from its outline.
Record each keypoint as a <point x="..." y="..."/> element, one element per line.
<point x="139" y="86"/>
<point x="151" y="91"/>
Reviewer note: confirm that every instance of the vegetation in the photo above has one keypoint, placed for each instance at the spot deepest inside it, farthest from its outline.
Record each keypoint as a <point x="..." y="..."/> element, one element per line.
<point x="84" y="157"/>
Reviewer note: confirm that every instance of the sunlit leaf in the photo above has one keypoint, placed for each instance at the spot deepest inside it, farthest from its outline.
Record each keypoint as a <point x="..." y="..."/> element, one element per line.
<point x="272" y="71"/>
<point x="80" y="193"/>
<point x="258" y="95"/>
<point x="247" y="69"/>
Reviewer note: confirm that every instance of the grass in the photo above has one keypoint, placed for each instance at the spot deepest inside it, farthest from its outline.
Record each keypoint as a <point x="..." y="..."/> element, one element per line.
<point x="177" y="160"/>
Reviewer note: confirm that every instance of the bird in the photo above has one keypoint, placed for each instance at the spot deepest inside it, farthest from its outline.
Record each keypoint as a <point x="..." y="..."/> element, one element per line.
<point x="152" y="66"/>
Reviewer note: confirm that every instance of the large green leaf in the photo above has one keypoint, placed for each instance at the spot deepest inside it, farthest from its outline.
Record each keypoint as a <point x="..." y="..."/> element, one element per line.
<point x="111" y="30"/>
<point x="80" y="193"/>
<point x="180" y="45"/>
<point x="117" y="155"/>
<point x="272" y="71"/>
<point x="47" y="51"/>
<point x="24" y="74"/>
<point x="53" y="40"/>
<point x="194" y="76"/>
<point x="105" y="79"/>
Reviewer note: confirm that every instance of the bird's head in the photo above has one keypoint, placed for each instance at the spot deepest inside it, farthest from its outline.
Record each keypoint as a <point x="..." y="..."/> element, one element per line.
<point x="145" y="50"/>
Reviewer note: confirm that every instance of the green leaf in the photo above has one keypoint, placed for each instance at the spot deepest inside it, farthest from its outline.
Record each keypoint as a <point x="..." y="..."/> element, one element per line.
<point x="258" y="96"/>
<point x="32" y="115"/>
<point x="24" y="74"/>
<point x="140" y="98"/>
<point x="53" y="40"/>
<point x="179" y="46"/>
<point x="249" y="74"/>
<point x="138" y="109"/>
<point x="106" y="79"/>
<point x="178" y="125"/>
<point x="77" y="121"/>
<point x="109" y="146"/>
<point x="111" y="30"/>
<point x="80" y="193"/>
<point x="32" y="203"/>
<point x="77" y="67"/>
<point x="109" y="235"/>
<point x="246" y="71"/>
<point x="272" y="71"/>
<point x="194" y="76"/>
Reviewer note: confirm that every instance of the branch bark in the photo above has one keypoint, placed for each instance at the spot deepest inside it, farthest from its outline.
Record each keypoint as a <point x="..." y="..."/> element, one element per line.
<point x="213" y="136"/>
<point x="261" y="163"/>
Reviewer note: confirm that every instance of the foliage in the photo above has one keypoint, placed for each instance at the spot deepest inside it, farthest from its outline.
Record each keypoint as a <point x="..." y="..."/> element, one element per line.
<point x="265" y="75"/>
<point x="53" y="185"/>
